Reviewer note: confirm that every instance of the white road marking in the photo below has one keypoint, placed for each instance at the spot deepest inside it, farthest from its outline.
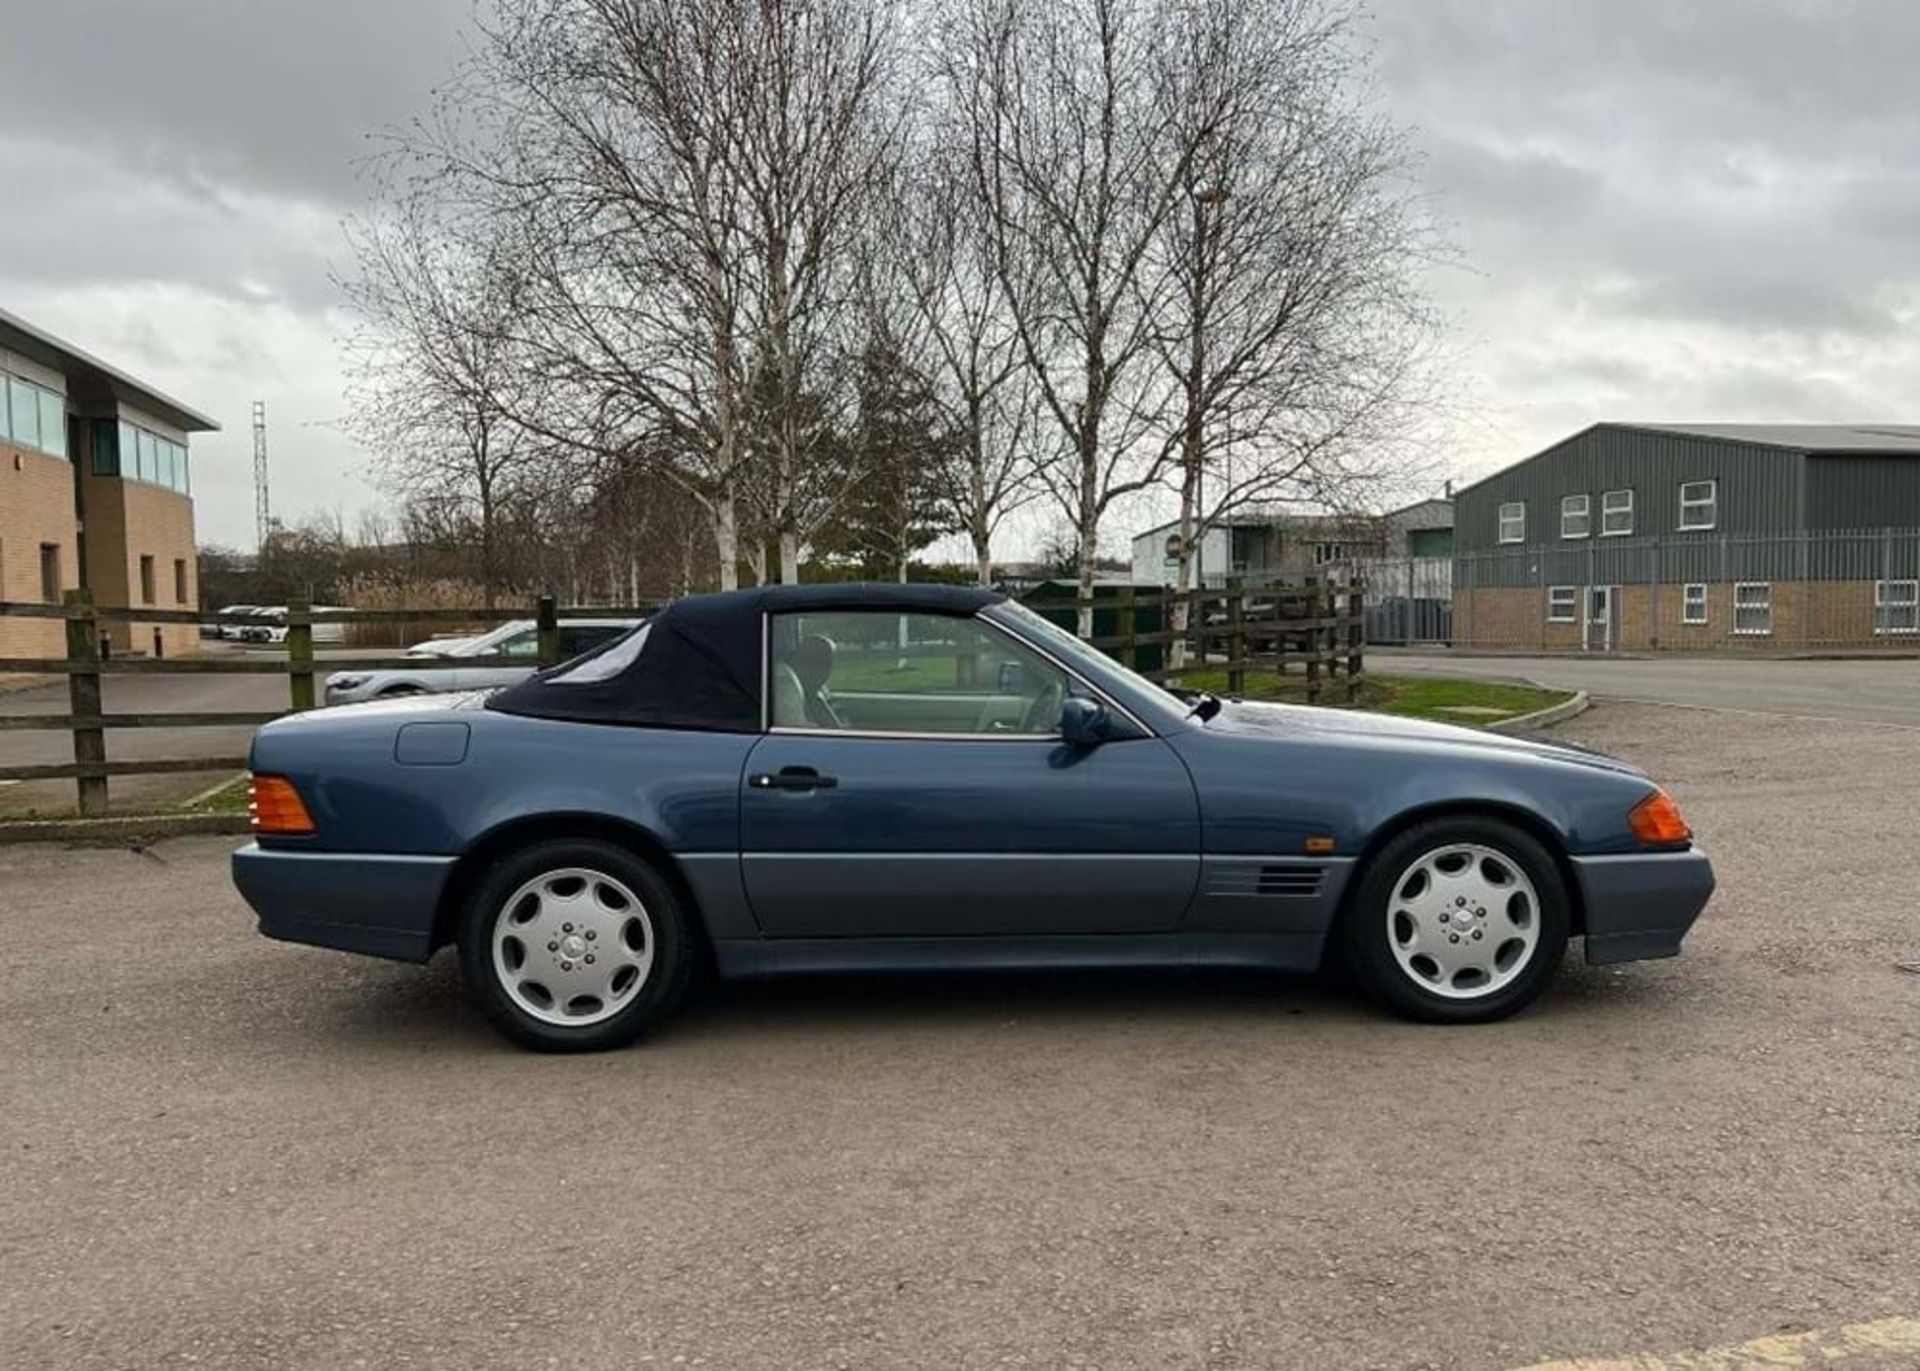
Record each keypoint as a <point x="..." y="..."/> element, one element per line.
<point x="1871" y="1342"/>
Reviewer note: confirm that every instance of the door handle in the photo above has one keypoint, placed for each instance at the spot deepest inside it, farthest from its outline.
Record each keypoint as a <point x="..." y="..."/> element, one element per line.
<point x="793" y="778"/>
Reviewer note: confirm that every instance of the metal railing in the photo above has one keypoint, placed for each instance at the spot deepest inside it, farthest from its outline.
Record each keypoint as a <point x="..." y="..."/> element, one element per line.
<point x="1702" y="590"/>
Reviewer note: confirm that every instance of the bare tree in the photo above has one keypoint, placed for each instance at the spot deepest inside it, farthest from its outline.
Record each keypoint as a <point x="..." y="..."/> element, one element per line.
<point x="1293" y="335"/>
<point x="437" y="377"/>
<point x="817" y="133"/>
<point x="939" y="290"/>
<point x="1079" y="163"/>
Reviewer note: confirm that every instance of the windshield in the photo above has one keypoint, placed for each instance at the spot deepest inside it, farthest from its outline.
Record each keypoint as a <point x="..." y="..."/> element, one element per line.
<point x="489" y="642"/>
<point x="1071" y="649"/>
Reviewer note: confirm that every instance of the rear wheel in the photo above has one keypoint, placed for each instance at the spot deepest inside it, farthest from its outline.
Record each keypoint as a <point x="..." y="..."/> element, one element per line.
<point x="1458" y="920"/>
<point x="575" y="945"/>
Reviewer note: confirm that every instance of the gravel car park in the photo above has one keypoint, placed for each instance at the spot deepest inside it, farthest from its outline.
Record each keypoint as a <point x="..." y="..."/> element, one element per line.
<point x="231" y="1153"/>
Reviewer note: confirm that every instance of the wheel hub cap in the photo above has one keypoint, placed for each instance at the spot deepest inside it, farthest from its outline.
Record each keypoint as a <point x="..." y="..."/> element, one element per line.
<point x="572" y="946"/>
<point x="1463" y="921"/>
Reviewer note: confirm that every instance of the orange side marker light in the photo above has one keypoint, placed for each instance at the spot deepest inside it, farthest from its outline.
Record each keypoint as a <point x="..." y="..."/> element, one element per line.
<point x="275" y="807"/>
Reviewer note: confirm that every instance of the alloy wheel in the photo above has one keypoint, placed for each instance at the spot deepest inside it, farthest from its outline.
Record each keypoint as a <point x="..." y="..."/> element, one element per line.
<point x="1463" y="921"/>
<point x="572" y="947"/>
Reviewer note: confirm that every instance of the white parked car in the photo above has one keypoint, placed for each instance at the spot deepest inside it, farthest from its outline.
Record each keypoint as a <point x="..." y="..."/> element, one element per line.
<point x="442" y="672"/>
<point x="272" y="627"/>
<point x="231" y="631"/>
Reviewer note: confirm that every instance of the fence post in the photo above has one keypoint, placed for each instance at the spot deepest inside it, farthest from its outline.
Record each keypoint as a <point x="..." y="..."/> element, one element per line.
<point x="1236" y="636"/>
<point x="300" y="652"/>
<point x="1356" y="637"/>
<point x="83" y="701"/>
<point x="1316" y="637"/>
<point x="547" y="622"/>
<point x="1128" y="647"/>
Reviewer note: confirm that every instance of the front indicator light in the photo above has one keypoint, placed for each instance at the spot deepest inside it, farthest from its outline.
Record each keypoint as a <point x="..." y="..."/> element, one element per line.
<point x="275" y="807"/>
<point x="1656" y="820"/>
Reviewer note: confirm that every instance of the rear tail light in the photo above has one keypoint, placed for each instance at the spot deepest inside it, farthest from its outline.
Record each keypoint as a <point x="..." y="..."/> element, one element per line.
<point x="276" y="807"/>
<point x="1657" y="820"/>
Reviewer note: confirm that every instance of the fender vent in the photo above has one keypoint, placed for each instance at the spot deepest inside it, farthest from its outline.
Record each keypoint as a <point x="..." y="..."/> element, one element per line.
<point x="1296" y="882"/>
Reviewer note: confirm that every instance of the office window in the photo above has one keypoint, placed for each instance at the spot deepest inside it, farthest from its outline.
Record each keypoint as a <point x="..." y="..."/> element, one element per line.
<point x="50" y="573"/>
<point x="179" y="580"/>
<point x="1616" y="513"/>
<point x="1753" y="607"/>
<point x="1693" y="603"/>
<point x="1896" y="607"/>
<point x="53" y="424"/>
<point x="146" y="579"/>
<point x="23" y="409"/>
<point x="145" y="460"/>
<point x="1576" y="516"/>
<point x="1699" y="504"/>
<point x="1562" y="604"/>
<point x="1513" y="522"/>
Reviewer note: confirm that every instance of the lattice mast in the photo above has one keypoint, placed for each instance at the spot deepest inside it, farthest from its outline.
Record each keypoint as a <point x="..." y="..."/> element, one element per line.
<point x="262" y="518"/>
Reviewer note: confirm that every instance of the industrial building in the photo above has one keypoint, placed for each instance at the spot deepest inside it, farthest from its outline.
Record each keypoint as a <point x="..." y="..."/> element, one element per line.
<point x="95" y="492"/>
<point x="1696" y="536"/>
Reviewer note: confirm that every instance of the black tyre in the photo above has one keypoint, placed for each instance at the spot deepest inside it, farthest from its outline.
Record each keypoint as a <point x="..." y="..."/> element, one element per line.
<point x="575" y="945"/>
<point x="1457" y="920"/>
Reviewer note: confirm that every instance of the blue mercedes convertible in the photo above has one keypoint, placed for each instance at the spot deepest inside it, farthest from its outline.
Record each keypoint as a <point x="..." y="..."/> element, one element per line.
<point x="877" y="777"/>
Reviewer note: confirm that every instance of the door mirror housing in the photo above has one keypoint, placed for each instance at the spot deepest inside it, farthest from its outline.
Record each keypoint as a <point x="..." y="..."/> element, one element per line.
<point x="1084" y="722"/>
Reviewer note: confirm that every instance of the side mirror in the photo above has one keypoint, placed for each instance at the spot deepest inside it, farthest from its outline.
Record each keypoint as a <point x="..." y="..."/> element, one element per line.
<point x="1084" y="722"/>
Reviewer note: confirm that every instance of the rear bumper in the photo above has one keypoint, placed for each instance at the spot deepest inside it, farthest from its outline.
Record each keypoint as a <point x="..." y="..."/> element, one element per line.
<point x="378" y="904"/>
<point x="1641" y="905"/>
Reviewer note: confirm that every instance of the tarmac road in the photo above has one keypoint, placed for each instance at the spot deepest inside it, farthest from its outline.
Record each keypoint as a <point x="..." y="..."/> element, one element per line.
<point x="1884" y="690"/>
<point x="234" y="1153"/>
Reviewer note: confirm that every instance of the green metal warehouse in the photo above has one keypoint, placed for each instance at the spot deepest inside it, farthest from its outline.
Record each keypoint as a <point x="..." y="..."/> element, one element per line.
<point x="1675" y="536"/>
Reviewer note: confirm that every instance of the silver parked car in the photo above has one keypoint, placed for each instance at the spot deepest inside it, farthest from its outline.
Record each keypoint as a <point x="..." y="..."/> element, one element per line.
<point x="443" y="672"/>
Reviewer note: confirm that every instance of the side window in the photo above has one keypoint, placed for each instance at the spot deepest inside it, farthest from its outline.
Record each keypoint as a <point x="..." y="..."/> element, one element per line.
<point x="523" y="644"/>
<point x="878" y="672"/>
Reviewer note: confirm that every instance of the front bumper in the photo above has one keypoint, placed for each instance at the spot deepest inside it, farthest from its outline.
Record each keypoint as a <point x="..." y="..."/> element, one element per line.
<point x="1640" y="905"/>
<point x="380" y="904"/>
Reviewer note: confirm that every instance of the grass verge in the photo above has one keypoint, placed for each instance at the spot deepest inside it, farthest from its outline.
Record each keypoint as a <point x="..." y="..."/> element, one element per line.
<point x="1416" y="697"/>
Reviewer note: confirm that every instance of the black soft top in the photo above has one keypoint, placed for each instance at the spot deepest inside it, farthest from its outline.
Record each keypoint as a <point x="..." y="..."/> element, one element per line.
<point x="700" y="663"/>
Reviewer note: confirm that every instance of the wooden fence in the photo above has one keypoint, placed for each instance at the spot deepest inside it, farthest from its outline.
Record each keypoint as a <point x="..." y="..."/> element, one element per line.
<point x="1314" y="624"/>
<point x="85" y="664"/>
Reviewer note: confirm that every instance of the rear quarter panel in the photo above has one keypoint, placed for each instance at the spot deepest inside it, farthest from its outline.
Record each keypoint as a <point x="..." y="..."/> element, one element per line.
<point x="680" y="787"/>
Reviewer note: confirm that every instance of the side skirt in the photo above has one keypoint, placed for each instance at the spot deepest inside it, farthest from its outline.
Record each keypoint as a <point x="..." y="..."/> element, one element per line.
<point x="746" y="957"/>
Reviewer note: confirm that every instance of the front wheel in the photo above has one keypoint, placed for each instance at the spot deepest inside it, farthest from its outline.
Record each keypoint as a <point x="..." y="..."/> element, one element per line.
<point x="575" y="945"/>
<point x="1458" y="920"/>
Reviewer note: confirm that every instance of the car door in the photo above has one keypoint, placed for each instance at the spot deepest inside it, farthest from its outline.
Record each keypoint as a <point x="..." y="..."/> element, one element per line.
<point x="913" y="783"/>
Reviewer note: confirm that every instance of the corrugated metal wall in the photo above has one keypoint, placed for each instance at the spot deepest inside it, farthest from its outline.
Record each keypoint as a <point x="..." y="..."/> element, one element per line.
<point x="1759" y="486"/>
<point x="1867" y="491"/>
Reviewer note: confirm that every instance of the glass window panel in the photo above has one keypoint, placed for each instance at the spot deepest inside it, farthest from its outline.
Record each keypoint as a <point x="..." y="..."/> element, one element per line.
<point x="873" y="672"/>
<point x="1513" y="522"/>
<point x="53" y="423"/>
<point x="147" y="459"/>
<point x="23" y="407"/>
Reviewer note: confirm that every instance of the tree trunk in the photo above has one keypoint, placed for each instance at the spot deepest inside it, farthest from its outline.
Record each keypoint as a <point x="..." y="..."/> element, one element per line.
<point x="789" y="557"/>
<point x="726" y="540"/>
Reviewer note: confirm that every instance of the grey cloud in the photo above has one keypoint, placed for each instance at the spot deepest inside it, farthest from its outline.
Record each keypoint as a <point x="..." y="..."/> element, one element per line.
<point x="270" y="95"/>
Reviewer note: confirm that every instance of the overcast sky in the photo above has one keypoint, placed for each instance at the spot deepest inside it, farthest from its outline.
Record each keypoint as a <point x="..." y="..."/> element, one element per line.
<point x="1698" y="211"/>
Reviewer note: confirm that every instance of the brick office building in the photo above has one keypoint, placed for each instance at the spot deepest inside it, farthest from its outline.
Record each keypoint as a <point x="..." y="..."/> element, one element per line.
<point x="94" y="493"/>
<point x="1701" y="536"/>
